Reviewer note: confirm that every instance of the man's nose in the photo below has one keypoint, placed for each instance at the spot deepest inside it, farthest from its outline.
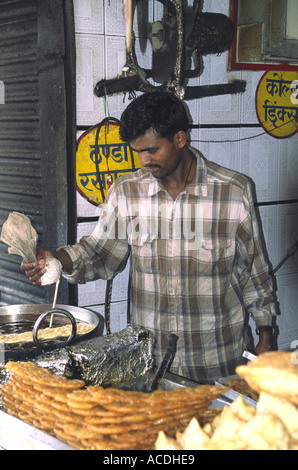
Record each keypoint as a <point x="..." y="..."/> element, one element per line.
<point x="145" y="158"/>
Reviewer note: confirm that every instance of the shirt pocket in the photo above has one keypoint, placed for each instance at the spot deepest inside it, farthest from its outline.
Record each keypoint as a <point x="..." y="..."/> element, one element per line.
<point x="214" y="256"/>
<point x="143" y="257"/>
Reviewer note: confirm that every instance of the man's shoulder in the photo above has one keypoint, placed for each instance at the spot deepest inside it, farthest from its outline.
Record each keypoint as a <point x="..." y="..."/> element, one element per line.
<point x="226" y="175"/>
<point x="129" y="183"/>
<point x="133" y="177"/>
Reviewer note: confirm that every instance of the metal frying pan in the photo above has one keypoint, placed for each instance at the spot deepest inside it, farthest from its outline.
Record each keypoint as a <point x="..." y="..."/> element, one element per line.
<point x="23" y="318"/>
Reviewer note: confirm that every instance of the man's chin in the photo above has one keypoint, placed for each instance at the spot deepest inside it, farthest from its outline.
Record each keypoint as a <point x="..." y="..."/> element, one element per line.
<point x="155" y="171"/>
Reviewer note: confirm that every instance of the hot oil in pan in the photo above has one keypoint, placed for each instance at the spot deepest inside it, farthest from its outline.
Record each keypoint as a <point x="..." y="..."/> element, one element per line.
<point x="25" y="323"/>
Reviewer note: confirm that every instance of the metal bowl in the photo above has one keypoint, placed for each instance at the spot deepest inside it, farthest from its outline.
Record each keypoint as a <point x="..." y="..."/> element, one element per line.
<point x="23" y="317"/>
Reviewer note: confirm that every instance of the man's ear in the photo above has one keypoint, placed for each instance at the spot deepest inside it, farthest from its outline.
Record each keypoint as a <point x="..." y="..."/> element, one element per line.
<point x="180" y="139"/>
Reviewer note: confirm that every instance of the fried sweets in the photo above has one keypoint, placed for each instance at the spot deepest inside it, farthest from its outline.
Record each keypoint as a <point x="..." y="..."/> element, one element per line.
<point x="94" y="418"/>
<point x="275" y="373"/>
<point x="46" y="334"/>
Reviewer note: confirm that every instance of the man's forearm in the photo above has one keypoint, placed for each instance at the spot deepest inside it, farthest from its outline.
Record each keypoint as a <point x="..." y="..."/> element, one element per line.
<point x="265" y="340"/>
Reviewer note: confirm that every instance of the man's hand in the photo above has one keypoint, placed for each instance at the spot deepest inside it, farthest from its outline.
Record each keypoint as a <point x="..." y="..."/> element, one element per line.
<point x="265" y="342"/>
<point x="35" y="271"/>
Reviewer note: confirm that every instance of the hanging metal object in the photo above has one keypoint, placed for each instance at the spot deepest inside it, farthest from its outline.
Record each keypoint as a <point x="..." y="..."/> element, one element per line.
<point x="178" y="40"/>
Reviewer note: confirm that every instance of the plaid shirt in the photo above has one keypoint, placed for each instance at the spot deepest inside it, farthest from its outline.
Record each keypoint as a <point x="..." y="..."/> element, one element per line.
<point x="197" y="264"/>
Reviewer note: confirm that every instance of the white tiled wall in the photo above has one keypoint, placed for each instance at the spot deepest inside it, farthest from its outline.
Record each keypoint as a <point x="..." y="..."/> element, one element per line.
<point x="271" y="163"/>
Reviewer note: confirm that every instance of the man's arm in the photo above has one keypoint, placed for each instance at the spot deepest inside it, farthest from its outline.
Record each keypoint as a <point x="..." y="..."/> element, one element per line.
<point x="255" y="279"/>
<point x="101" y="255"/>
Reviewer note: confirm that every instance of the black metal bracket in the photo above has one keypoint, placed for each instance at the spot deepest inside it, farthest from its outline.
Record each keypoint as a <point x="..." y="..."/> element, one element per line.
<point x="211" y="33"/>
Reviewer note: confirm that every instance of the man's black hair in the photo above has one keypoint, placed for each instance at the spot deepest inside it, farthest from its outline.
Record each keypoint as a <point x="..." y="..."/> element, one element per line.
<point x="162" y="112"/>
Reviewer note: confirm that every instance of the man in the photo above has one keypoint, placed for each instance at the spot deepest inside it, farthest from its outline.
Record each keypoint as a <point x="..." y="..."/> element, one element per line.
<point x="190" y="229"/>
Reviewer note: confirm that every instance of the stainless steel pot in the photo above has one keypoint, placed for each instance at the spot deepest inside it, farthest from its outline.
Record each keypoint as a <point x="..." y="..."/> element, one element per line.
<point x="23" y="317"/>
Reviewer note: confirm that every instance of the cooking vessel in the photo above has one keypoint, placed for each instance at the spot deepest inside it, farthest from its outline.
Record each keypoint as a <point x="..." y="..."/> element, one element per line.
<point x="23" y="318"/>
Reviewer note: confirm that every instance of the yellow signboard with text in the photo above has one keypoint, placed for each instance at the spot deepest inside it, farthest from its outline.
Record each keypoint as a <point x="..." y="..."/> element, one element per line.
<point x="100" y="159"/>
<point x="277" y="103"/>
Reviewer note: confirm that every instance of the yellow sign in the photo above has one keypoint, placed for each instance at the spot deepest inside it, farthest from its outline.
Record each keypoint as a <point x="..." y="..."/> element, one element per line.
<point x="277" y="103"/>
<point x="101" y="157"/>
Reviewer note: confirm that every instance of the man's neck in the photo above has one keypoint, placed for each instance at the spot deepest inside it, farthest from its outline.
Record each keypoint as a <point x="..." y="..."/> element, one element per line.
<point x="183" y="175"/>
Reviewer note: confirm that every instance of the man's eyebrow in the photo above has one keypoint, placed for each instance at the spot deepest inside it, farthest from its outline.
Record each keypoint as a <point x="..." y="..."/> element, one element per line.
<point x="146" y="149"/>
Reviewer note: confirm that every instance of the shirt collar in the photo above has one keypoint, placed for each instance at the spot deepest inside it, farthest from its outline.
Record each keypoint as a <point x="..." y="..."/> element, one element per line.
<point x="199" y="185"/>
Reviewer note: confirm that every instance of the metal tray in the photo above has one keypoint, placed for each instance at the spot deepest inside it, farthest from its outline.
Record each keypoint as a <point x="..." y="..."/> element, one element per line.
<point x="169" y="382"/>
<point x="21" y="318"/>
<point x="172" y="381"/>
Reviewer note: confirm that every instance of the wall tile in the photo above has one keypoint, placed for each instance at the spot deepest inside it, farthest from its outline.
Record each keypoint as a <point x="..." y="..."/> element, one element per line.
<point x="193" y="107"/>
<point x="220" y="146"/>
<point x="217" y="6"/>
<point x="114" y="21"/>
<point x="115" y="61"/>
<point x="259" y="161"/>
<point x="94" y="292"/>
<point x="288" y="168"/>
<point x="115" y="55"/>
<point x="92" y="295"/>
<point x="222" y="108"/>
<point x="90" y="69"/>
<point x="89" y="16"/>
<point x="85" y="208"/>
<point x="118" y="317"/>
<point x="85" y="229"/>
<point x="248" y="98"/>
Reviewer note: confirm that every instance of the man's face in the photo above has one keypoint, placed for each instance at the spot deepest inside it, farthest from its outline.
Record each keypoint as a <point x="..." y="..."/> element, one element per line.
<point x="159" y="155"/>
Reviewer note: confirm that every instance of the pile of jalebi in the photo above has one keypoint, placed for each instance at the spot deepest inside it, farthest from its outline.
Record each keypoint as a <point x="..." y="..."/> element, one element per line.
<point x="94" y="418"/>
